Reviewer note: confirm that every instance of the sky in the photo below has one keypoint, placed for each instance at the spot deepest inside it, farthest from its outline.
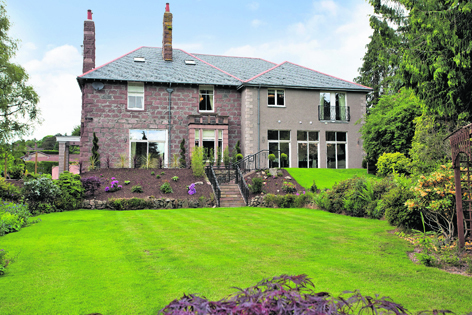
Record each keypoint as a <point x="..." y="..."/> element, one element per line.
<point x="325" y="35"/>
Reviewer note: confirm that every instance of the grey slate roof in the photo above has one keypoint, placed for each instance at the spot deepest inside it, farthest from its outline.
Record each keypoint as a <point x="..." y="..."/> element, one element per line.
<point x="214" y="70"/>
<point x="289" y="74"/>
<point x="241" y="67"/>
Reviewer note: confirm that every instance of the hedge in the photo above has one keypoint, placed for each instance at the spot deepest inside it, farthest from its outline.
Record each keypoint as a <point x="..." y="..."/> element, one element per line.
<point x="44" y="167"/>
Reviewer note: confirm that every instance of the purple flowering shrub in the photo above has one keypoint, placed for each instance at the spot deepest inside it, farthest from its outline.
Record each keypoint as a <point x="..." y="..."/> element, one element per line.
<point x="191" y="189"/>
<point x="91" y="184"/>
<point x="287" y="295"/>
<point x="114" y="185"/>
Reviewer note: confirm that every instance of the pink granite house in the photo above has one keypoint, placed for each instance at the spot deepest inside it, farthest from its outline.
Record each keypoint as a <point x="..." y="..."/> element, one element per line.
<point x="150" y="99"/>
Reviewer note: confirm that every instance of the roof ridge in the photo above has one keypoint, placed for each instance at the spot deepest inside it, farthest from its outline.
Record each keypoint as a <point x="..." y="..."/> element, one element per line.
<point x="328" y="75"/>
<point x="227" y="73"/>
<point x="235" y="57"/>
<point x="91" y="70"/>
<point x="264" y="72"/>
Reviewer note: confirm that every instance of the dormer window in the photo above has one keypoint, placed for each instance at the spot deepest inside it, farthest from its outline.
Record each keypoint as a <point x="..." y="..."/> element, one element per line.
<point x="206" y="99"/>
<point x="135" y="95"/>
<point x="276" y="97"/>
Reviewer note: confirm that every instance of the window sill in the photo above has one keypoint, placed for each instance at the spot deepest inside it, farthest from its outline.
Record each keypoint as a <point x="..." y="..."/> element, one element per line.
<point x="335" y="121"/>
<point x="276" y="106"/>
<point x="206" y="111"/>
<point x="136" y="109"/>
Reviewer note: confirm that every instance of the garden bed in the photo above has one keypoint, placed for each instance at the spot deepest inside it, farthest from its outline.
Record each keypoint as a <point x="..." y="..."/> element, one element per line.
<point x="273" y="185"/>
<point x="149" y="183"/>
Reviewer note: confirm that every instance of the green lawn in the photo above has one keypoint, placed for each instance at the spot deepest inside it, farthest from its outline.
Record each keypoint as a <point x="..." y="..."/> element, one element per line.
<point x="135" y="262"/>
<point x="324" y="177"/>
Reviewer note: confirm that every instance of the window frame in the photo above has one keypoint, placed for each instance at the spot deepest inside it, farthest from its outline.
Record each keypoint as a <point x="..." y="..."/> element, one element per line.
<point x="206" y="87"/>
<point x="217" y="140"/>
<point x="336" y="142"/>
<point x="135" y="94"/>
<point x="308" y="143"/>
<point x="147" y="141"/>
<point x="333" y="107"/>
<point x="279" y="141"/>
<point x="275" y="98"/>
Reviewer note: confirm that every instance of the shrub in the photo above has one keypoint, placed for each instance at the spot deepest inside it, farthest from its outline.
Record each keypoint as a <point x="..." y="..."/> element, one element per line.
<point x="72" y="191"/>
<point x="256" y="186"/>
<point x="239" y="157"/>
<point x="3" y="261"/>
<point x="95" y="157"/>
<point x="114" y="185"/>
<point x="434" y="196"/>
<point x="165" y="188"/>
<point x="285" y="295"/>
<point x="271" y="158"/>
<point x="163" y="173"/>
<point x="40" y="194"/>
<point x="91" y="185"/>
<point x="175" y="161"/>
<point x="158" y="176"/>
<point x="182" y="160"/>
<point x="129" y="204"/>
<point x="289" y="187"/>
<point x="8" y="191"/>
<point x="137" y="189"/>
<point x="226" y="158"/>
<point x="313" y="188"/>
<point x="210" y="157"/>
<point x="396" y="212"/>
<point x="13" y="217"/>
<point x="126" y="182"/>
<point x="175" y="178"/>
<point x="123" y="160"/>
<point x="390" y="163"/>
<point x="218" y="157"/>
<point x="197" y="162"/>
<point x="152" y="173"/>
<point x="283" y="158"/>
<point x="191" y="189"/>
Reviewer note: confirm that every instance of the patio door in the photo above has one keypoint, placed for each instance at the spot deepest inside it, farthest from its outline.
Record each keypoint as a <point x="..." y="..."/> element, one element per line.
<point x="147" y="144"/>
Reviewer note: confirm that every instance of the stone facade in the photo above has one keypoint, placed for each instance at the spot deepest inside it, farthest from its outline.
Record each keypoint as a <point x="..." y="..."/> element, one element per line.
<point x="105" y="113"/>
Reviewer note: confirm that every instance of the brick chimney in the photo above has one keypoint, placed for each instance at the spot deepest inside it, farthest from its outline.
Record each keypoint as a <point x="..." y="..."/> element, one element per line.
<point x="89" y="43"/>
<point x="167" y="35"/>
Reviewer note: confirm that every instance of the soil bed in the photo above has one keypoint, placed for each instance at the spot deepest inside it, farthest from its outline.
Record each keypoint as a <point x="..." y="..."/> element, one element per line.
<point x="149" y="183"/>
<point x="273" y="185"/>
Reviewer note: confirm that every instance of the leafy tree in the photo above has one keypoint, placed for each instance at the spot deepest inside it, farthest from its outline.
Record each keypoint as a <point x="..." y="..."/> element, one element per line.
<point x="76" y="131"/>
<point x="435" y="51"/>
<point x="389" y="127"/>
<point x="18" y="101"/>
<point x="48" y="142"/>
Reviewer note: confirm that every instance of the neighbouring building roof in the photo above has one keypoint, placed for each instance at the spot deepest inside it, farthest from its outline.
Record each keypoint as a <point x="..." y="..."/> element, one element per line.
<point x="214" y="70"/>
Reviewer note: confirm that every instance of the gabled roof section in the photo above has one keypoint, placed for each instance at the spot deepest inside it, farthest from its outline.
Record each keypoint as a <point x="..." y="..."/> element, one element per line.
<point x="155" y="69"/>
<point x="288" y="74"/>
<point x="242" y="67"/>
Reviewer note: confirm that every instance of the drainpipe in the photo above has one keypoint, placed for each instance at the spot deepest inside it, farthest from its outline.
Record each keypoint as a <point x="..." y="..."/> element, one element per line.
<point x="259" y="118"/>
<point x="169" y="90"/>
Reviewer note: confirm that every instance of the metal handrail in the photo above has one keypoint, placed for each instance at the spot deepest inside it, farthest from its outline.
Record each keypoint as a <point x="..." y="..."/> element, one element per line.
<point x="214" y="183"/>
<point x="253" y="161"/>
<point x="242" y="185"/>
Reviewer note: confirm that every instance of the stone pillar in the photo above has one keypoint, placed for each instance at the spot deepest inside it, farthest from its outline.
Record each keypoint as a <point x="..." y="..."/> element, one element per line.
<point x="63" y="156"/>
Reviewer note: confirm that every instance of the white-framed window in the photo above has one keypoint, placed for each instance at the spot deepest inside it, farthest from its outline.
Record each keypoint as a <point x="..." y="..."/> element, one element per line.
<point x="206" y="99"/>
<point x="212" y="140"/>
<point x="276" y="97"/>
<point x="336" y="149"/>
<point x="308" y="149"/>
<point x="147" y="144"/>
<point x="333" y="106"/>
<point x="136" y="95"/>
<point x="279" y="142"/>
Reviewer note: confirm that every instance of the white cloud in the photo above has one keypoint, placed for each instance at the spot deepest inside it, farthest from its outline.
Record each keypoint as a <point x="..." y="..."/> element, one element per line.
<point x="256" y="23"/>
<point x="334" y="48"/>
<point x="327" y="6"/>
<point x="54" y="79"/>
<point x="253" y="6"/>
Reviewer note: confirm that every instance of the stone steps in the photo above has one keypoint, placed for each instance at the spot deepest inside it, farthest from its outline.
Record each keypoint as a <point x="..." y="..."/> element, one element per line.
<point x="231" y="196"/>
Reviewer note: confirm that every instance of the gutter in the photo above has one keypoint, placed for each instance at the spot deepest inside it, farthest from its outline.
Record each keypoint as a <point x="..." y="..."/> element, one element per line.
<point x="259" y="118"/>
<point x="169" y="90"/>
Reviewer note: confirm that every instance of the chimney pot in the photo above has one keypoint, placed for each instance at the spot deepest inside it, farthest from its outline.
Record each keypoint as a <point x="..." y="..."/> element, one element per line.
<point x="167" y="7"/>
<point x="89" y="14"/>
